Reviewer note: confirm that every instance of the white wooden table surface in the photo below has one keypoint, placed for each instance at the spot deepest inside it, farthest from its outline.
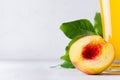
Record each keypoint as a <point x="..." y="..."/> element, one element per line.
<point x="40" y="70"/>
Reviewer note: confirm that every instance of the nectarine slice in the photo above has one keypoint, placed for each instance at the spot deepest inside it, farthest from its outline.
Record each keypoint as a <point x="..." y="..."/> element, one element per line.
<point x="91" y="54"/>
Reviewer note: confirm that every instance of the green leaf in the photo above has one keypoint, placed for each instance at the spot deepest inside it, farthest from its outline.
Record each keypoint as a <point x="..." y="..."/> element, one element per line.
<point x="78" y="27"/>
<point x="98" y="24"/>
<point x="66" y="56"/>
<point x="67" y="65"/>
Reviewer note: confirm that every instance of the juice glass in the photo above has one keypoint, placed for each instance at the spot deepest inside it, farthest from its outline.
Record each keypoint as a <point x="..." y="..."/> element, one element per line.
<point x="110" y="10"/>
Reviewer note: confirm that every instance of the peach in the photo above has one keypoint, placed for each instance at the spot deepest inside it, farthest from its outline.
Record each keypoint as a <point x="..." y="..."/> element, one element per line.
<point x="91" y="54"/>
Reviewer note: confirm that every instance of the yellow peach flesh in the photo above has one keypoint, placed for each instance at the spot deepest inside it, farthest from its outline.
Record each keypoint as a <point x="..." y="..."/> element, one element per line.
<point x="99" y="56"/>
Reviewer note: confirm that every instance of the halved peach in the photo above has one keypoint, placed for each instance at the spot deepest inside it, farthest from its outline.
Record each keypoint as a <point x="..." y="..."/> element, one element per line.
<point x="91" y="54"/>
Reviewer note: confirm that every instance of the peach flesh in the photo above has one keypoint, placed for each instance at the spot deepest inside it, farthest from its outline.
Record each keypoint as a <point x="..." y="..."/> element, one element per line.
<point x="91" y="54"/>
<point x="91" y="51"/>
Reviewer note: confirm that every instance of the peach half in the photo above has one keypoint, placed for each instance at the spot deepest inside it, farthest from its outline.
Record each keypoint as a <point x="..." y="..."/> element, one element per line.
<point x="91" y="54"/>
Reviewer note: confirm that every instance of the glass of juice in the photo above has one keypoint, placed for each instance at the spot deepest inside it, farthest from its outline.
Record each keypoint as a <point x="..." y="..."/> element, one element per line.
<point x="110" y="11"/>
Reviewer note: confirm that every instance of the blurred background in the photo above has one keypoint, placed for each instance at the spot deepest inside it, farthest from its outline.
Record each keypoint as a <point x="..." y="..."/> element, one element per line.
<point x="29" y="29"/>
